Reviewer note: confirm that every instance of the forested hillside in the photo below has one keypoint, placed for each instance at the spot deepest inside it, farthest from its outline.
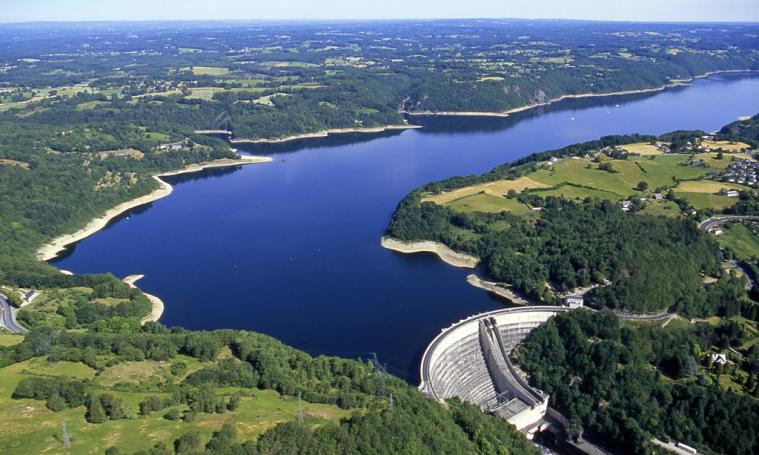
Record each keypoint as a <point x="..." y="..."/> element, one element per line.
<point x="623" y="384"/>
<point x="571" y="235"/>
<point x="175" y="391"/>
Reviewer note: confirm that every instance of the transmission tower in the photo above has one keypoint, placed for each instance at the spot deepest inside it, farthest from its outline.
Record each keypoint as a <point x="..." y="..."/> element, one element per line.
<point x="66" y="435"/>
<point x="379" y="370"/>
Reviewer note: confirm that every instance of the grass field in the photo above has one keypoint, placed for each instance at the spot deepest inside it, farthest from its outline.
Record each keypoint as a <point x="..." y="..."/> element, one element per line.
<point x="10" y="340"/>
<point x="27" y="427"/>
<point x="569" y="191"/>
<point x="711" y="160"/>
<point x="209" y="71"/>
<point x="740" y="239"/>
<point x="702" y="193"/>
<point x="707" y="186"/>
<point x="703" y="201"/>
<point x="89" y="105"/>
<point x="156" y="136"/>
<point x="660" y="171"/>
<point x="661" y="208"/>
<point x="498" y="188"/>
<point x="266" y="100"/>
<point x="642" y="148"/>
<point x="487" y="203"/>
<point x="204" y="93"/>
<point x="725" y="145"/>
<point x="579" y="178"/>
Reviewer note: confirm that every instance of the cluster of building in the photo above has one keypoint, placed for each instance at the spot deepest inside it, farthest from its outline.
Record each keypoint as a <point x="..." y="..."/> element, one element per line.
<point x="744" y="172"/>
<point x="172" y="146"/>
<point x="627" y="204"/>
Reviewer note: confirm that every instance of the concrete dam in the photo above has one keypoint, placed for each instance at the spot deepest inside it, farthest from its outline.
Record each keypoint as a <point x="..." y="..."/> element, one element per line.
<point x="470" y="360"/>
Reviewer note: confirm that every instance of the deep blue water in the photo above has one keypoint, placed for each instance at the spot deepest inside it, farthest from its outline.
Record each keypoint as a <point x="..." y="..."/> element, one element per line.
<point x="291" y="248"/>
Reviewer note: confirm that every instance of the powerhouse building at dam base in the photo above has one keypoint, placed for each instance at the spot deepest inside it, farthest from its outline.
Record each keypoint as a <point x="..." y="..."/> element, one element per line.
<point x="470" y="360"/>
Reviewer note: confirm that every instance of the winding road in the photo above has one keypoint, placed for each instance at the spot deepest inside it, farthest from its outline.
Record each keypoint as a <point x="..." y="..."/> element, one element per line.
<point x="711" y="222"/>
<point x="8" y="321"/>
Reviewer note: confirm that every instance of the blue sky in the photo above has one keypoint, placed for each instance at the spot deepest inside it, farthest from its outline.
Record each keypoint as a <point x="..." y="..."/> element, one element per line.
<point x="635" y="10"/>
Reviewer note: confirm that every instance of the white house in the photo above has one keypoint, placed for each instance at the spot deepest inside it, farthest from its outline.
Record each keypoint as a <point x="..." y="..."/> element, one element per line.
<point x="719" y="359"/>
<point x="574" y="301"/>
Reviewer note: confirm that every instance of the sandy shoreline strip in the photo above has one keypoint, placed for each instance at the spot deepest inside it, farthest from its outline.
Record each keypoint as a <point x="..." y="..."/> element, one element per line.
<point x="56" y="246"/>
<point x="227" y="132"/>
<point x="496" y="289"/>
<point x="157" y="304"/>
<point x="448" y="255"/>
<point x="324" y="133"/>
<point x="672" y="84"/>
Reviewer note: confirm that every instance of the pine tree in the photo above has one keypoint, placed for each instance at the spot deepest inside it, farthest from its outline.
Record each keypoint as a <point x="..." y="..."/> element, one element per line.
<point x="56" y="403"/>
<point x="95" y="412"/>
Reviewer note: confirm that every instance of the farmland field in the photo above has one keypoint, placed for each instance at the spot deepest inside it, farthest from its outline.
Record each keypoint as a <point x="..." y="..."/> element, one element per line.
<point x="580" y="178"/>
<point x="725" y="145"/>
<point x="703" y="201"/>
<point x="209" y="71"/>
<point x="498" y="188"/>
<point x="740" y="239"/>
<point x="642" y="148"/>
<point x="487" y="203"/>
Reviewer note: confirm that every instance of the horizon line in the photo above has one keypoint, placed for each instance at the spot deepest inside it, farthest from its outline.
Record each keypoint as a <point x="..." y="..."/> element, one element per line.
<point x="359" y="20"/>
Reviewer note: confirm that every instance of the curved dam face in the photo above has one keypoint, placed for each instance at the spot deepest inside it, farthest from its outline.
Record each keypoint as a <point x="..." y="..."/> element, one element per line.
<point x="470" y="360"/>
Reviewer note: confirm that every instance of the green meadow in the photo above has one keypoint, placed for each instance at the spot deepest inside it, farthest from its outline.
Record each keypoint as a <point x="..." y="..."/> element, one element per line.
<point x="27" y="426"/>
<point x="580" y="178"/>
<point x="741" y="239"/>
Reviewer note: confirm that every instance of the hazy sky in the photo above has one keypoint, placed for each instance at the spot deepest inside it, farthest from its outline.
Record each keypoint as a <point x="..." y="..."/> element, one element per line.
<point x="633" y="10"/>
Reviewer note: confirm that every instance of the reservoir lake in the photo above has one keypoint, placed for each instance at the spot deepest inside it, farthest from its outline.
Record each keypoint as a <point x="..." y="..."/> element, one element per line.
<point x="292" y="248"/>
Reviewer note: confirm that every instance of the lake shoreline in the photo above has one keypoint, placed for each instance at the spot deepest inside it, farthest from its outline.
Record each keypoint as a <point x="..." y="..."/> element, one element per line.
<point x="323" y="134"/>
<point x="157" y="305"/>
<point x="495" y="288"/>
<point x="446" y="254"/>
<point x="56" y="246"/>
<point x="672" y="84"/>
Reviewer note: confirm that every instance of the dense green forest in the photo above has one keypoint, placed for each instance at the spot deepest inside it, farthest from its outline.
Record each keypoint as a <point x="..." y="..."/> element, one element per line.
<point x="623" y="384"/>
<point x="46" y="192"/>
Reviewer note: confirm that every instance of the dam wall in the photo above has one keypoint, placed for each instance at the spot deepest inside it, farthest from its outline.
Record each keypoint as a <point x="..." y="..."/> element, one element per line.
<point x="470" y="360"/>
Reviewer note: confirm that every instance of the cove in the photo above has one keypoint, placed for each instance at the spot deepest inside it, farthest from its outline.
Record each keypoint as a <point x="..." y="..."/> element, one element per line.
<point x="291" y="248"/>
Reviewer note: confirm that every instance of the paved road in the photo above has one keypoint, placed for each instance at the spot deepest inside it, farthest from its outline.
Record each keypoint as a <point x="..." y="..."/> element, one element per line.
<point x="8" y="321"/>
<point x="711" y="222"/>
<point x="643" y="317"/>
<point x="736" y="266"/>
